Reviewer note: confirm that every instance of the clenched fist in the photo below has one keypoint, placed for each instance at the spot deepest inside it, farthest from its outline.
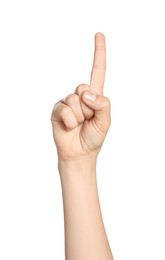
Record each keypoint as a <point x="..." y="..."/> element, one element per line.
<point x="81" y="120"/>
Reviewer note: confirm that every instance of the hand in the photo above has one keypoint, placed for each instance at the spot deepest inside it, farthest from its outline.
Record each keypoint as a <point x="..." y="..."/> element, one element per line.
<point x="81" y="120"/>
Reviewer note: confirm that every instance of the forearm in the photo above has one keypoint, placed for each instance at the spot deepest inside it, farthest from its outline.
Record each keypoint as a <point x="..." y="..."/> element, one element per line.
<point x="85" y="236"/>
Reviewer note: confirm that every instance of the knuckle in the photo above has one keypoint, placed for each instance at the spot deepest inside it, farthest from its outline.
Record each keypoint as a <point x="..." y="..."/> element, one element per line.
<point x="80" y="88"/>
<point x="99" y="67"/>
<point x="54" y="111"/>
<point x="107" y="102"/>
<point x="71" y="99"/>
<point x="64" y="111"/>
<point x="81" y="119"/>
<point x="56" y="105"/>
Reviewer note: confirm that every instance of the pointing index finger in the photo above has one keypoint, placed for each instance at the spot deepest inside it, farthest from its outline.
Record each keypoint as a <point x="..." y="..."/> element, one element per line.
<point x="99" y="65"/>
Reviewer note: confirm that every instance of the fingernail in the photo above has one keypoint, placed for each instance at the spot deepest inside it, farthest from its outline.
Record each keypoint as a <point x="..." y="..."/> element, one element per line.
<point x="90" y="96"/>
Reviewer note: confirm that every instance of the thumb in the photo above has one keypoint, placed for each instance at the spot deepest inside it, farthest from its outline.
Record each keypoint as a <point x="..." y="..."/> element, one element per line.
<point x="102" y="109"/>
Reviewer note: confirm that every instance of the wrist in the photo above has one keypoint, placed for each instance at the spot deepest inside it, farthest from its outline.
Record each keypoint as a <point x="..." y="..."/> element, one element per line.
<point x="76" y="163"/>
<point x="80" y="170"/>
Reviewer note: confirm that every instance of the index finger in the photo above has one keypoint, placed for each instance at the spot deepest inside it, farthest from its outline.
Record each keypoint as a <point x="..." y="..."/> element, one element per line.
<point x="99" y="65"/>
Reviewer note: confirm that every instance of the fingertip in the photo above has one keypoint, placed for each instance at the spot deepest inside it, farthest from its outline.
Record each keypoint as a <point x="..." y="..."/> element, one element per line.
<point x="99" y="36"/>
<point x="100" y="40"/>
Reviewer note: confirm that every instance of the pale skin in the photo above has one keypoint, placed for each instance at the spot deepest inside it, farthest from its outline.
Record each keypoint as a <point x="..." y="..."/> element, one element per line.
<point x="80" y="123"/>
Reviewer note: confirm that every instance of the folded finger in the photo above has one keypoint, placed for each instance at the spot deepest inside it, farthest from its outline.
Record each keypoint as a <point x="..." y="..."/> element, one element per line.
<point x="73" y="101"/>
<point x="87" y="112"/>
<point x="63" y="117"/>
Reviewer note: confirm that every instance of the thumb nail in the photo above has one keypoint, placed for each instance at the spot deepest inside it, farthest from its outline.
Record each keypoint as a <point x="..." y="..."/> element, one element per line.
<point x="90" y="96"/>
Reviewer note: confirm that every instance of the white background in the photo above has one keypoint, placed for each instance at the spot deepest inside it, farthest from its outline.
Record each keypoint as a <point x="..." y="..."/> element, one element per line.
<point x="46" y="50"/>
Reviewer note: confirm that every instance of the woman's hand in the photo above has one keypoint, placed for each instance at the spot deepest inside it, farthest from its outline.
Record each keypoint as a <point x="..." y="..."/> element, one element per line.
<point x="80" y="123"/>
<point x="81" y="120"/>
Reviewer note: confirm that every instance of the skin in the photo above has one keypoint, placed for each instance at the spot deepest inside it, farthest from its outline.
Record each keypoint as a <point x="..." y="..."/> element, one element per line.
<point x="80" y="123"/>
